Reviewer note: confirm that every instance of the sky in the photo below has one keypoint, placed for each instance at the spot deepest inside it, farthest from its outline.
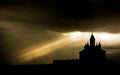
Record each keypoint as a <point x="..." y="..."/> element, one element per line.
<point x="30" y="26"/>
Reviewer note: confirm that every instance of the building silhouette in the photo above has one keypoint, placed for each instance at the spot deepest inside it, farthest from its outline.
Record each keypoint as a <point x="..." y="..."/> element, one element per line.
<point x="91" y="53"/>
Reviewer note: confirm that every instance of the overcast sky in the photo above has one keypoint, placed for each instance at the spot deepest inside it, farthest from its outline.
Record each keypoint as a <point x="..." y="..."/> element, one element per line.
<point x="28" y="23"/>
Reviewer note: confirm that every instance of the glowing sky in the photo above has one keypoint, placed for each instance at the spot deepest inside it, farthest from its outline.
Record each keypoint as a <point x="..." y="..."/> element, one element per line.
<point x="34" y="32"/>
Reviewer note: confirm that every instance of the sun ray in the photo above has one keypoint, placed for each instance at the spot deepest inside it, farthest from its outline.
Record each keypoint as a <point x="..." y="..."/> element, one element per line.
<point x="28" y="55"/>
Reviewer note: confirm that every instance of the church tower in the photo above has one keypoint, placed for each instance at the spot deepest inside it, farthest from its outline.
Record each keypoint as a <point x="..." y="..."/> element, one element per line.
<point x="92" y="52"/>
<point x="92" y="41"/>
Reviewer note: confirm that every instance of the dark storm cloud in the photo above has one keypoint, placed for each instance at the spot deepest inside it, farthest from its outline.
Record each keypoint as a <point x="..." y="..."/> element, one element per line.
<point x="64" y="15"/>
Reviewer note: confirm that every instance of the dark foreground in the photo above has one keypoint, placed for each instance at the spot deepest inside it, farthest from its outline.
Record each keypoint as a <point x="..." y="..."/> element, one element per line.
<point x="97" y="68"/>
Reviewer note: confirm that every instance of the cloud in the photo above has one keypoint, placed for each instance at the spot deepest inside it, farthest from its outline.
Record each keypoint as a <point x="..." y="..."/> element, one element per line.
<point x="63" y="16"/>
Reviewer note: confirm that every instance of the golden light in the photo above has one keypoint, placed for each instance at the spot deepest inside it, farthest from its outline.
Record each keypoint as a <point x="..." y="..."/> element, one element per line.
<point x="108" y="39"/>
<point x="73" y="35"/>
<point x="39" y="51"/>
<point x="34" y="52"/>
<point x="106" y="36"/>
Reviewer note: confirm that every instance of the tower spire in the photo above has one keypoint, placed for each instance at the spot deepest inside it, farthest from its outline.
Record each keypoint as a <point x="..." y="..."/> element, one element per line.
<point x="92" y="40"/>
<point x="99" y="44"/>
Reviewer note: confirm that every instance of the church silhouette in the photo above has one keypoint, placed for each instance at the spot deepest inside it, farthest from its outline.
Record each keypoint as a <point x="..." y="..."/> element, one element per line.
<point x="90" y="54"/>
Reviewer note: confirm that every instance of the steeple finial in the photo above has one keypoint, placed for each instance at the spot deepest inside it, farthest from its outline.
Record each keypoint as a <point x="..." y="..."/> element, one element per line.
<point x="92" y="40"/>
<point x="92" y="36"/>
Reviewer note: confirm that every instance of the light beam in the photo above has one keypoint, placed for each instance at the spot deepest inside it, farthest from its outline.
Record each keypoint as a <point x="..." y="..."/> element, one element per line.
<point x="28" y="55"/>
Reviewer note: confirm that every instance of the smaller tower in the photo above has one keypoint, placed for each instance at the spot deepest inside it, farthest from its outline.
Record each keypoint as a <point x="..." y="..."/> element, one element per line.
<point x="99" y="45"/>
<point x="86" y="46"/>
